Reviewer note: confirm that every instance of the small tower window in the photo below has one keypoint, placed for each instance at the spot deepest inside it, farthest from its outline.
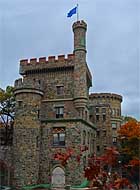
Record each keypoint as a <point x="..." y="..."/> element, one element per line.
<point x="84" y="137"/>
<point x="114" y="125"/>
<point x="103" y="110"/>
<point x="97" y="110"/>
<point x="104" y="117"/>
<point x="20" y="102"/>
<point x="98" y="134"/>
<point x="104" y="133"/>
<point x="97" y="118"/>
<point x="98" y="148"/>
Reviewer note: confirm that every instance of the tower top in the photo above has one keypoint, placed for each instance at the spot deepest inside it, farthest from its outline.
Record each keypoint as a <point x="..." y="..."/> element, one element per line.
<point x="79" y="30"/>
<point x="79" y="24"/>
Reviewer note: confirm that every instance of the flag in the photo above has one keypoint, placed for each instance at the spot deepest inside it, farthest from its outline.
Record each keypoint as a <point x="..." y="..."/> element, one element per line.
<point x="72" y="11"/>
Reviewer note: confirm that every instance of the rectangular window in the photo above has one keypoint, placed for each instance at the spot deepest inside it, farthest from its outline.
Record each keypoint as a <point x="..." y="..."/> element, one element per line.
<point x="97" y="118"/>
<point x="60" y="90"/>
<point x="104" y="110"/>
<point x="98" y="133"/>
<point x="105" y="147"/>
<point x="97" y="110"/>
<point x="104" y="117"/>
<point x="114" y="139"/>
<point x="59" y="112"/>
<point x="104" y="133"/>
<point x="114" y="125"/>
<point x="98" y="148"/>
<point x="58" y="136"/>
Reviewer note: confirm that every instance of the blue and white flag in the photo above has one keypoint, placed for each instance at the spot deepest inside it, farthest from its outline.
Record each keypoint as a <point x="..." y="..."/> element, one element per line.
<point x="72" y="12"/>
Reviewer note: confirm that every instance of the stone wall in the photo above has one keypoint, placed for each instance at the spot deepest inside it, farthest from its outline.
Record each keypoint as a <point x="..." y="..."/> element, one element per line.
<point x="74" y="140"/>
<point x="107" y="107"/>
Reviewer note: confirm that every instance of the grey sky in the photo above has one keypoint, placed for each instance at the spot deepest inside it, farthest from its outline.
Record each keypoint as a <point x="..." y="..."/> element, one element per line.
<point x="35" y="28"/>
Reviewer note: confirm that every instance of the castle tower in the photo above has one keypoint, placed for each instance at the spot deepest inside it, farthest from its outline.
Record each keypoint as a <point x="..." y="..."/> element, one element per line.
<point x="26" y="132"/>
<point x="82" y="78"/>
<point x="105" y="112"/>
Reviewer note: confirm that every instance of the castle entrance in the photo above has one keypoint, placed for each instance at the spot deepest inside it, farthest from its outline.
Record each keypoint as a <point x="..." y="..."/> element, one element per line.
<point x="58" y="178"/>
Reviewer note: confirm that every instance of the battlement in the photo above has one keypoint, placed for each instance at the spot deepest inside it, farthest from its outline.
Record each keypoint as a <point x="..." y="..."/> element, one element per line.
<point x="28" y="84"/>
<point x="46" y="63"/>
<point x="106" y="96"/>
<point x="50" y="59"/>
<point x="79" y="24"/>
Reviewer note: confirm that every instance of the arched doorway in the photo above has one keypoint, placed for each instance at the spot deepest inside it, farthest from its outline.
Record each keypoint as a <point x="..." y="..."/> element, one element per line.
<point x="58" y="177"/>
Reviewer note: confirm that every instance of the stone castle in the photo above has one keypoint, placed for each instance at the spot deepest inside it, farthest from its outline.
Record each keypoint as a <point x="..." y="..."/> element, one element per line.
<point x="54" y="112"/>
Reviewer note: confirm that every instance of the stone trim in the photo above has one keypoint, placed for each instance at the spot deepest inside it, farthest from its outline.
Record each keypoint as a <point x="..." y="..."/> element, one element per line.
<point x="57" y="100"/>
<point x="28" y="90"/>
<point x="68" y="120"/>
<point x="116" y="119"/>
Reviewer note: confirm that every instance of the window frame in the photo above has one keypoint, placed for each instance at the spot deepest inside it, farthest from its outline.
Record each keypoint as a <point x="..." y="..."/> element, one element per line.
<point x="60" y="90"/>
<point x="59" y="142"/>
<point x="59" y="111"/>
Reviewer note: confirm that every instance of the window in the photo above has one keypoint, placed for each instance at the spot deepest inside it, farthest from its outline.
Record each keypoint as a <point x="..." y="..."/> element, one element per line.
<point x="84" y="161"/>
<point x="84" y="137"/>
<point x="59" y="112"/>
<point x="37" y="141"/>
<point x="38" y="114"/>
<point x="60" y="90"/>
<point x="114" y="125"/>
<point x="97" y="110"/>
<point x="104" y="117"/>
<point x="97" y="118"/>
<point x="113" y="112"/>
<point x="118" y="112"/>
<point x="20" y="102"/>
<point x="98" y="148"/>
<point x="98" y="133"/>
<point x="105" y="147"/>
<point x="59" y="136"/>
<point x="86" y="115"/>
<point x="104" y="133"/>
<point x="104" y="110"/>
<point x="88" y="138"/>
<point x="114" y="139"/>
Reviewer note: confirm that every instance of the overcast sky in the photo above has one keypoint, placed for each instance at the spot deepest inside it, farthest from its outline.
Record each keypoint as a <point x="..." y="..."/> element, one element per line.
<point x="36" y="28"/>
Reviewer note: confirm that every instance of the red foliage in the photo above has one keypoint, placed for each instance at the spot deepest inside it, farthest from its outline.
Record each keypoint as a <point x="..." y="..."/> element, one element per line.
<point x="63" y="157"/>
<point x="110" y="157"/>
<point x="134" y="163"/>
<point x="122" y="183"/>
<point x="94" y="172"/>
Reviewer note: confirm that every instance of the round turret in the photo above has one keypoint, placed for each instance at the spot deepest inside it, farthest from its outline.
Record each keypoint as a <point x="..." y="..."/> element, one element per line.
<point x="28" y="95"/>
<point x="79" y="29"/>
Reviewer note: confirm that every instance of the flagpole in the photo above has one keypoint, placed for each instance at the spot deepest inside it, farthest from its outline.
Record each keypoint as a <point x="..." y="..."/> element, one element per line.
<point x="77" y="12"/>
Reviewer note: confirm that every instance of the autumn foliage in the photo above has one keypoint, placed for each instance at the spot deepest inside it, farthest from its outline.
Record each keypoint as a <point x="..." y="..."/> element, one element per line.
<point x="130" y="130"/>
<point x="99" y="178"/>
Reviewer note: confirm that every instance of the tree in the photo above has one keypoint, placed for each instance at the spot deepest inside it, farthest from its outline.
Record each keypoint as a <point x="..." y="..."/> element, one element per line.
<point x="94" y="172"/>
<point x="7" y="113"/>
<point x="129" y="135"/>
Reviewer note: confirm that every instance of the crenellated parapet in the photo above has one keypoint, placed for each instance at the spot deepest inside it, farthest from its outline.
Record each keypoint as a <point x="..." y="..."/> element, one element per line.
<point x="79" y="24"/>
<point x="46" y="63"/>
<point x="28" y="86"/>
<point x="106" y="96"/>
